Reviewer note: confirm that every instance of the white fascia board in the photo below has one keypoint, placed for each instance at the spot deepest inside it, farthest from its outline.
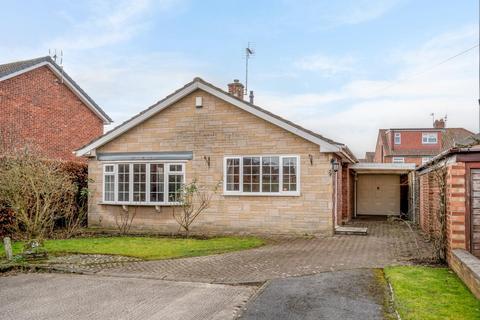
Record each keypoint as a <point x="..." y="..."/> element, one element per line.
<point x="127" y="126"/>
<point x="65" y="80"/>
<point x="324" y="145"/>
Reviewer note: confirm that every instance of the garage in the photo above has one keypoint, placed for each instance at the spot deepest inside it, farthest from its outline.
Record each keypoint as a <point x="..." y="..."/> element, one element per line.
<point x="378" y="194"/>
<point x="381" y="189"/>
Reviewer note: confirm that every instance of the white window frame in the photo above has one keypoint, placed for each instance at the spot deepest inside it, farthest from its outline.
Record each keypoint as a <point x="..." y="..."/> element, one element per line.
<point x="399" y="136"/>
<point x="426" y="136"/>
<point x="147" y="201"/>
<point x="260" y="193"/>
<point x="114" y="173"/>
<point x="398" y="160"/>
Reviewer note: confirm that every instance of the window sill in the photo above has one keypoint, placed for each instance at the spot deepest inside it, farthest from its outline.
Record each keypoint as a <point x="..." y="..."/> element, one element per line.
<point x="254" y="194"/>
<point x="139" y="204"/>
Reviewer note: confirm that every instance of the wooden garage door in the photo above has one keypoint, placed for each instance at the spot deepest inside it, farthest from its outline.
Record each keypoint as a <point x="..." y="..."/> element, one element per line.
<point x="378" y="194"/>
<point x="475" y="212"/>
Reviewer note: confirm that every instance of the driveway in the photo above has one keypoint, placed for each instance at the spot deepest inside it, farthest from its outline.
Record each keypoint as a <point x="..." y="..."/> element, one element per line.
<point x="388" y="243"/>
<point x="59" y="296"/>
<point x="342" y="295"/>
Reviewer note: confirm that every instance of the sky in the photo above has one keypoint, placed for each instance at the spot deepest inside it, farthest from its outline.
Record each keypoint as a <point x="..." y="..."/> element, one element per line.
<point x="341" y="68"/>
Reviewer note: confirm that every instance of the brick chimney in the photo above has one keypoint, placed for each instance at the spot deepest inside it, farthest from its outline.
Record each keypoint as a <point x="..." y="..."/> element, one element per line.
<point x="236" y="89"/>
<point x="439" y="124"/>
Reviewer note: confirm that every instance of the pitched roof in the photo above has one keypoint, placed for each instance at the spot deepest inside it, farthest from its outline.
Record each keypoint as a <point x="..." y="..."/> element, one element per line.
<point x="327" y="145"/>
<point x="10" y="70"/>
<point x="451" y="136"/>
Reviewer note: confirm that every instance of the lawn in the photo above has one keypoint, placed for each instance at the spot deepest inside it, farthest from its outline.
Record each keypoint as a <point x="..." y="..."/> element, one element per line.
<point x="148" y="248"/>
<point x="431" y="293"/>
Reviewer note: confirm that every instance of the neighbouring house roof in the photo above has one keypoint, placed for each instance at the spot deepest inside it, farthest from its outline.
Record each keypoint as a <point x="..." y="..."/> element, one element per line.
<point x="369" y="157"/>
<point x="326" y="145"/>
<point x="445" y="155"/>
<point x="470" y="141"/>
<point x="13" y="69"/>
<point x="451" y="136"/>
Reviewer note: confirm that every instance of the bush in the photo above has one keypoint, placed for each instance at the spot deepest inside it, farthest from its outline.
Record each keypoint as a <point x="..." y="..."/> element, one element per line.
<point x="7" y="221"/>
<point x="43" y="194"/>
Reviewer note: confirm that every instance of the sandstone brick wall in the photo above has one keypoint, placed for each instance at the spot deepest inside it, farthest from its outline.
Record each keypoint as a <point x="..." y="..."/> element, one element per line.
<point x="217" y="130"/>
<point x="39" y="111"/>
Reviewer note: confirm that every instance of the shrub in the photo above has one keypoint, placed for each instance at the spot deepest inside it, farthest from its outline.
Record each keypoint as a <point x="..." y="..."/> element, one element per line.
<point x="39" y="192"/>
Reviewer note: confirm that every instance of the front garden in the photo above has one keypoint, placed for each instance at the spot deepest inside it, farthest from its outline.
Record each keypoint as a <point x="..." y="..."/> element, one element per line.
<point x="44" y="205"/>
<point x="430" y="293"/>
<point x="146" y="248"/>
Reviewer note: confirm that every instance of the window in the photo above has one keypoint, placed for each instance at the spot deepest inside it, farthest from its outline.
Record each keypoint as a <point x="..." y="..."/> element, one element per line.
<point x="123" y="182"/>
<point x="429" y="138"/>
<point x="233" y="174"/>
<point x="251" y="174"/>
<point x="109" y="183"/>
<point x="139" y="182"/>
<point x="175" y="182"/>
<point x="426" y="159"/>
<point x="157" y="182"/>
<point x="270" y="174"/>
<point x="398" y="138"/>
<point x="256" y="175"/>
<point x="144" y="183"/>
<point x="398" y="160"/>
<point x="289" y="174"/>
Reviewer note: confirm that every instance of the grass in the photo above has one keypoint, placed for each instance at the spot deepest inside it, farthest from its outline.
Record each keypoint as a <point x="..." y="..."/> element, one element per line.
<point x="148" y="248"/>
<point x="428" y="293"/>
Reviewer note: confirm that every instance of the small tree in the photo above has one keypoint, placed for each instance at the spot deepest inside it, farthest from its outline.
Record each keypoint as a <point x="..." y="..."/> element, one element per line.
<point x="194" y="199"/>
<point x="37" y="191"/>
<point x="124" y="218"/>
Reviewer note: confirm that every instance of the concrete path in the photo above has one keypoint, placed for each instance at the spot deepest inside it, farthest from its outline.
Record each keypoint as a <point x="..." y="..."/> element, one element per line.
<point x="58" y="296"/>
<point x="387" y="243"/>
<point x="344" y="295"/>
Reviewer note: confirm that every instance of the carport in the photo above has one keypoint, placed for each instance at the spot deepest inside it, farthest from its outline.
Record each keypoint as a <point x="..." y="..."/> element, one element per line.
<point x="382" y="189"/>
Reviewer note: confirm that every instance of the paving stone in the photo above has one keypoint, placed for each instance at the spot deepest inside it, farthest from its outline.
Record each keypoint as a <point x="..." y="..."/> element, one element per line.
<point x="388" y="243"/>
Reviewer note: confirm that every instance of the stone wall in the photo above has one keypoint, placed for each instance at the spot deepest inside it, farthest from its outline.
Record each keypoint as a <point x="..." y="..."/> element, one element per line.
<point x="216" y="130"/>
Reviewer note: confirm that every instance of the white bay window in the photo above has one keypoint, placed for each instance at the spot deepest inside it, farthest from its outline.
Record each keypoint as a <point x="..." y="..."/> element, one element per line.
<point x="143" y="183"/>
<point x="261" y="175"/>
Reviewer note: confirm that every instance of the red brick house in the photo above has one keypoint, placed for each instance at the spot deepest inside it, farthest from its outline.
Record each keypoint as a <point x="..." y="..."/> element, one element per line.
<point x="44" y="109"/>
<point x="416" y="145"/>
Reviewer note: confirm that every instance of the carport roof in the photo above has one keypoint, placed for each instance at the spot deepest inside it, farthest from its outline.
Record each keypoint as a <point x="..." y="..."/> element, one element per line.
<point x="391" y="168"/>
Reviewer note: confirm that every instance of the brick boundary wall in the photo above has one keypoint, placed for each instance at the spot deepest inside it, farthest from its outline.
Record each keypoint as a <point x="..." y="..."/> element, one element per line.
<point x="467" y="267"/>
<point x="429" y="206"/>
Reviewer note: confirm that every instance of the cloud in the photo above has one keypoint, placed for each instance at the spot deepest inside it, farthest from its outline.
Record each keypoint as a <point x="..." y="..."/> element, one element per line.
<point x="328" y="14"/>
<point x="109" y="23"/>
<point x="328" y="66"/>
<point x="354" y="113"/>
<point x="125" y="85"/>
<point x="360" y="11"/>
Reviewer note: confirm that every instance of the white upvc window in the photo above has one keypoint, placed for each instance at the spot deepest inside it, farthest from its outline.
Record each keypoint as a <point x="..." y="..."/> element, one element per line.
<point x="397" y="138"/>
<point x="429" y="137"/>
<point x="262" y="175"/>
<point x="143" y="183"/>
<point x="426" y="159"/>
<point x="109" y="182"/>
<point x="398" y="160"/>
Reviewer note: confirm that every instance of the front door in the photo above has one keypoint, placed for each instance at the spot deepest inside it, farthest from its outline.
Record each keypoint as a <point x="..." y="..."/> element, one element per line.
<point x="475" y="212"/>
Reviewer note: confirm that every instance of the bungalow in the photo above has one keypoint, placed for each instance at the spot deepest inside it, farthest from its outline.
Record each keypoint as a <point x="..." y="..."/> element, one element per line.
<point x="276" y="177"/>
